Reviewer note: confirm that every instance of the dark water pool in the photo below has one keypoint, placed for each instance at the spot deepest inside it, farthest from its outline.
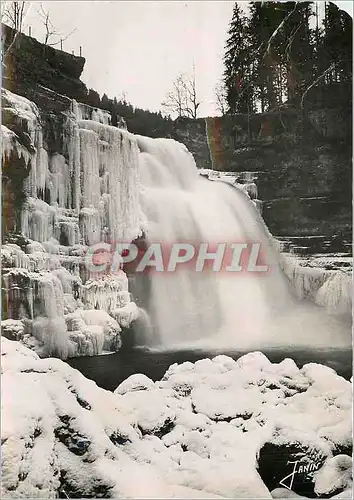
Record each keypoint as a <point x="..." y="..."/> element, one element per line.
<point x="108" y="371"/>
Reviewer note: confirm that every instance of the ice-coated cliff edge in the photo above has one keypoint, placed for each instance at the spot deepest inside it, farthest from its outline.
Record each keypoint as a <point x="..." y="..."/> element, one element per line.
<point x="331" y="289"/>
<point x="206" y="430"/>
<point x="69" y="184"/>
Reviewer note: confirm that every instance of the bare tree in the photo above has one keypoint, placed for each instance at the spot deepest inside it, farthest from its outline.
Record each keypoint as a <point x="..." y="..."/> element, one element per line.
<point x="220" y="98"/>
<point x="175" y="99"/>
<point x="191" y="93"/>
<point x="52" y="37"/>
<point x="182" y="99"/>
<point x="13" y="13"/>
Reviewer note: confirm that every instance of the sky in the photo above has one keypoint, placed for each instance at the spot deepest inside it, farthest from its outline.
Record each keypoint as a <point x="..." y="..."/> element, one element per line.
<point x="139" y="47"/>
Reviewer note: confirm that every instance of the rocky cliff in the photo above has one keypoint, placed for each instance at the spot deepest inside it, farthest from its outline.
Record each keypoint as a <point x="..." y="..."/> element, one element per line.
<point x="28" y="64"/>
<point x="301" y="162"/>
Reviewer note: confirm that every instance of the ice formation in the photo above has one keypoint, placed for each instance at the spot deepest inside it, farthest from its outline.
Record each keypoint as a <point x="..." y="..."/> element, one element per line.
<point x="83" y="193"/>
<point x="331" y="289"/>
<point x="200" y="432"/>
<point x="88" y="190"/>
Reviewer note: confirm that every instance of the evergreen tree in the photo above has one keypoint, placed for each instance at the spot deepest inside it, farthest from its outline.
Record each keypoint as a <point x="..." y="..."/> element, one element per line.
<point x="297" y="48"/>
<point x="237" y="74"/>
<point x="337" y="44"/>
<point x="105" y="102"/>
<point x="93" y="98"/>
<point x="273" y="50"/>
<point x="264" y="19"/>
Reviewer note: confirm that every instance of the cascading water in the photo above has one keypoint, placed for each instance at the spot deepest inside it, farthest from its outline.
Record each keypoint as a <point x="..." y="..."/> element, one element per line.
<point x="240" y="310"/>
<point x="87" y="191"/>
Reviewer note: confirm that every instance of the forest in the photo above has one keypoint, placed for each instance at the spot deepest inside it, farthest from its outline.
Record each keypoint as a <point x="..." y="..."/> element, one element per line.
<point x="277" y="55"/>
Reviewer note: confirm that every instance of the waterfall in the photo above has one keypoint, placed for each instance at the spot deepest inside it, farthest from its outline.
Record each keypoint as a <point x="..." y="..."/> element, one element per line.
<point x="100" y="183"/>
<point x="237" y="310"/>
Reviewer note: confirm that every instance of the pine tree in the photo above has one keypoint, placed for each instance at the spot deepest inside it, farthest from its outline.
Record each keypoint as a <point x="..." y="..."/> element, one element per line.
<point x="105" y="102"/>
<point x="237" y="77"/>
<point x="93" y="98"/>
<point x="265" y="18"/>
<point x="297" y="49"/>
<point x="337" y="44"/>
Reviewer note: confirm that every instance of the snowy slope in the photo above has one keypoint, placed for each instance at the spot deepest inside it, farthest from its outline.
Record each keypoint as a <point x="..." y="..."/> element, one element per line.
<point x="197" y="433"/>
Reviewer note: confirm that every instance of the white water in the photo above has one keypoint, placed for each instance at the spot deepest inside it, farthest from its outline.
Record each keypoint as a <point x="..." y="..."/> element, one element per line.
<point x="218" y="309"/>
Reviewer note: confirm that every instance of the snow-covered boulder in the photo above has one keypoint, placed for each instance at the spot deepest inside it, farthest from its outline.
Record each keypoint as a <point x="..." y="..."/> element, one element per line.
<point x="64" y="436"/>
<point x="335" y="475"/>
<point x="136" y="382"/>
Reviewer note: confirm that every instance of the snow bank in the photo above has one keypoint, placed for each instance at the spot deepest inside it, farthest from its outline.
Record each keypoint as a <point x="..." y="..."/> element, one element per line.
<point x="163" y="439"/>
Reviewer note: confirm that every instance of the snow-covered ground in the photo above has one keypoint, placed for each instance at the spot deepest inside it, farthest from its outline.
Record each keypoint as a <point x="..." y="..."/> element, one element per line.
<point x="201" y="432"/>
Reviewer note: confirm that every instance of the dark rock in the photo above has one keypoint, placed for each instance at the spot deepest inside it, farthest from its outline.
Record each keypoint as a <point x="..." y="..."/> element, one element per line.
<point x="69" y="488"/>
<point x="117" y="438"/>
<point x="302" y="161"/>
<point x="29" y="62"/>
<point x="83" y="403"/>
<point x="291" y="466"/>
<point x="74" y="441"/>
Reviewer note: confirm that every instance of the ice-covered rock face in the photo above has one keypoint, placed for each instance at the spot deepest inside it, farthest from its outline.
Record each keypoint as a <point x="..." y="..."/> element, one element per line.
<point x="75" y="191"/>
<point x="331" y="289"/>
<point x="63" y="435"/>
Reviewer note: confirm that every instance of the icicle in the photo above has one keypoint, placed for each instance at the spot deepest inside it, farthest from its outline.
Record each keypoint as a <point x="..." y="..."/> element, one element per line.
<point x="125" y="315"/>
<point x="110" y="156"/>
<point x="305" y="280"/>
<point x="13" y="256"/>
<point x="251" y="190"/>
<point x="10" y="143"/>
<point x="336" y="293"/>
<point x="38" y="219"/>
<point x="104" y="293"/>
<point x="53" y="335"/>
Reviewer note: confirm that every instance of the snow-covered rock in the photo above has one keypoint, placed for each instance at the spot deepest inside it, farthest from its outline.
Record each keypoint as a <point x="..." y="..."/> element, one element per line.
<point x="136" y="382"/>
<point x="331" y="289"/>
<point x="64" y="435"/>
<point x="335" y="475"/>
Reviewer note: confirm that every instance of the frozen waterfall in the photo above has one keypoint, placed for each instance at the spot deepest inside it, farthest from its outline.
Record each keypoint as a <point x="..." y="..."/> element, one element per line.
<point x="79" y="191"/>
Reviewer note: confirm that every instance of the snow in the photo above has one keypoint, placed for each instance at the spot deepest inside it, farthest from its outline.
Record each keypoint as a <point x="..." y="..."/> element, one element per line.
<point x="12" y="328"/>
<point x="63" y="433"/>
<point x="136" y="382"/>
<point x="335" y="474"/>
<point x="331" y="289"/>
<point x="336" y="293"/>
<point x="126" y="314"/>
